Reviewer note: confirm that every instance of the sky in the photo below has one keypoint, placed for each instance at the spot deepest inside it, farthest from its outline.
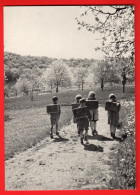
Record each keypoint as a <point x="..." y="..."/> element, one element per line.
<point x="50" y="31"/>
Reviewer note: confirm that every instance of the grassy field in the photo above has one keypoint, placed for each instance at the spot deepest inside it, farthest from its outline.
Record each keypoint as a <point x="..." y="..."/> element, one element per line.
<point x="26" y="127"/>
<point x="68" y="97"/>
<point x="28" y="122"/>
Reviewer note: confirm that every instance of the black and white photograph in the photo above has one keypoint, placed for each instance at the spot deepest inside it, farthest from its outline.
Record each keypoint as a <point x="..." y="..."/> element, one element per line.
<point x="69" y="97"/>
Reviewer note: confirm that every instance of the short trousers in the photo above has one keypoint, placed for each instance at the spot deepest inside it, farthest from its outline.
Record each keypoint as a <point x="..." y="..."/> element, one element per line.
<point x="54" y="119"/>
<point x="83" y="124"/>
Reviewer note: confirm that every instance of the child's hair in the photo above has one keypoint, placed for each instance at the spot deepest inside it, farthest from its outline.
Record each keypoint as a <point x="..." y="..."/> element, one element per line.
<point x="82" y="100"/>
<point x="91" y="93"/>
<point x="78" y="96"/>
<point x="54" y="98"/>
<point x="112" y="96"/>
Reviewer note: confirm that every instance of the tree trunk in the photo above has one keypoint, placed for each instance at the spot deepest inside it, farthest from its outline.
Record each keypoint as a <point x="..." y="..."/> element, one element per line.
<point x="32" y="98"/>
<point x="102" y="84"/>
<point x="78" y="86"/>
<point x="123" y="88"/>
<point x="57" y="87"/>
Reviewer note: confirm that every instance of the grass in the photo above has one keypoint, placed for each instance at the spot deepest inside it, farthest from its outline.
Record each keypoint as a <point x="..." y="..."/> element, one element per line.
<point x="124" y="160"/>
<point x="28" y="122"/>
<point x="68" y="97"/>
<point x="26" y="127"/>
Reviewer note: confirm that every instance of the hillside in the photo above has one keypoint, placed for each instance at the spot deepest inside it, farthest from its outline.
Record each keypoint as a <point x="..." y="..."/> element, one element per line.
<point x="16" y="65"/>
<point x="12" y="60"/>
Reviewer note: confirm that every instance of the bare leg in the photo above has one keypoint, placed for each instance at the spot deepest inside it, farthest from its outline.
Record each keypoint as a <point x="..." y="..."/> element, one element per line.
<point x="92" y="125"/>
<point x="78" y="129"/>
<point x="112" y="131"/>
<point x="51" y="133"/>
<point x="86" y="134"/>
<point x="95" y="126"/>
<point x="57" y="133"/>
<point x="81" y="137"/>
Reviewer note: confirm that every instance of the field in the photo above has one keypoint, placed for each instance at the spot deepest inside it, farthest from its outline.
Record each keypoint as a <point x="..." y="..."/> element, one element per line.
<point x="26" y="127"/>
<point x="28" y="122"/>
<point x="68" y="97"/>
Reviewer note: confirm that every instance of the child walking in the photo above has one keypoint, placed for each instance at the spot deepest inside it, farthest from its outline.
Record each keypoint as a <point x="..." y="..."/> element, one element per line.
<point x="113" y="117"/>
<point x="94" y="114"/>
<point x="54" y="117"/>
<point x="83" y="123"/>
<point x="78" y="97"/>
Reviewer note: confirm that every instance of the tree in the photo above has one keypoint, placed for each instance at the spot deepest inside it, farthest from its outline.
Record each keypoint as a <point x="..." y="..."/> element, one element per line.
<point x="23" y="85"/>
<point x="80" y="75"/>
<point x="115" y="25"/>
<point x="6" y="91"/>
<point x="11" y="75"/>
<point x="14" y="90"/>
<point x="33" y="76"/>
<point x="125" y="68"/>
<point x="106" y="71"/>
<point x="58" y="75"/>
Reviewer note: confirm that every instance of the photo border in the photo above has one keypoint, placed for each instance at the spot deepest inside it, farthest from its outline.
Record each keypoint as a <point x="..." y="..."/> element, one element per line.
<point x="136" y="3"/>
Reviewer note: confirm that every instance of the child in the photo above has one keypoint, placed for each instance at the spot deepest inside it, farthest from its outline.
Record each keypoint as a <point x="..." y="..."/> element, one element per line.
<point x="113" y="117"/>
<point x="78" y="97"/>
<point x="94" y="114"/>
<point x="55" y="117"/>
<point x="83" y="123"/>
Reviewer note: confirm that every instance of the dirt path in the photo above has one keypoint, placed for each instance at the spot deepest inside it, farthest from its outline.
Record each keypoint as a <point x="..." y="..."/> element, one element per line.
<point x="63" y="163"/>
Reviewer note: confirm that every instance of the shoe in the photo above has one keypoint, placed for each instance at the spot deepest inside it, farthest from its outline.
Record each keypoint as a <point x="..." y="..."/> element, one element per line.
<point x="78" y="132"/>
<point x="113" y="135"/>
<point x="51" y="136"/>
<point x="82" y="141"/>
<point x="87" y="142"/>
<point x="94" y="132"/>
<point x="57" y="133"/>
<point x="85" y="138"/>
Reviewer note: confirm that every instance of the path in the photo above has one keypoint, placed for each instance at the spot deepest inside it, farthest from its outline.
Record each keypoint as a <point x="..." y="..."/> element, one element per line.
<point x="63" y="163"/>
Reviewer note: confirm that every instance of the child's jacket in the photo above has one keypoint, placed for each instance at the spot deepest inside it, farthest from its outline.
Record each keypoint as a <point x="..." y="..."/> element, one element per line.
<point x="113" y="117"/>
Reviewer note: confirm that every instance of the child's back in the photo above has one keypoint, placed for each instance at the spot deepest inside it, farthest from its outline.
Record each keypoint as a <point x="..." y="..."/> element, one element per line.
<point x="94" y="114"/>
<point x="55" y="116"/>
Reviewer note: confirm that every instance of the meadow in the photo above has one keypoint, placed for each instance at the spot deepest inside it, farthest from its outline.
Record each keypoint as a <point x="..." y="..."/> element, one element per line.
<point x="67" y="97"/>
<point x="28" y="122"/>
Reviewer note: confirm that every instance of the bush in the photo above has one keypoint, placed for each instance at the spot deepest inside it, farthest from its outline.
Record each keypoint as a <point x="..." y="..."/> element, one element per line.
<point x="124" y="161"/>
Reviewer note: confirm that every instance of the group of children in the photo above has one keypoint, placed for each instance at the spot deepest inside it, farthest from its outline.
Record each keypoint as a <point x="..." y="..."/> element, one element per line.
<point x="90" y="118"/>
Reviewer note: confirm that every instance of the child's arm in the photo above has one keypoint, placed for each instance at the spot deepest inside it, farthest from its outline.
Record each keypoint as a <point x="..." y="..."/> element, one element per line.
<point x="119" y="106"/>
<point x="59" y="110"/>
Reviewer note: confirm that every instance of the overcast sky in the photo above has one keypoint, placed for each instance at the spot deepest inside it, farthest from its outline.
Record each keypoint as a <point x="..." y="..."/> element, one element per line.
<point x="50" y="31"/>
